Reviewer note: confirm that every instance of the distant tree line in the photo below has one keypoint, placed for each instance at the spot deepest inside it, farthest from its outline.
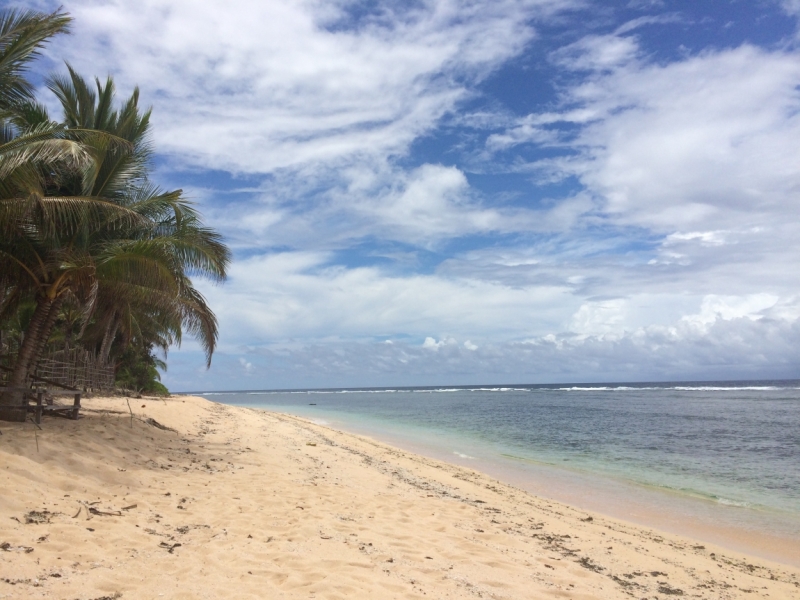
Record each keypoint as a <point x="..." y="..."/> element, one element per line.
<point x="93" y="255"/>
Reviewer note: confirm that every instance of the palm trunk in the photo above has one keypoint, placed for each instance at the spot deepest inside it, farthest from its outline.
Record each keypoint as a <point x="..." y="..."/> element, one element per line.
<point x="108" y="339"/>
<point x="39" y="329"/>
<point x="44" y="334"/>
<point x="10" y="401"/>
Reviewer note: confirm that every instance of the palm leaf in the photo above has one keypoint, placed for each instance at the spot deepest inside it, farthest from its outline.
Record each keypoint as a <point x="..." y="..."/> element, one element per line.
<point x="22" y="35"/>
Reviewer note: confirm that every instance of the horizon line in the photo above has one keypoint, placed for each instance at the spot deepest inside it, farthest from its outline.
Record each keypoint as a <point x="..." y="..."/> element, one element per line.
<point x="493" y="386"/>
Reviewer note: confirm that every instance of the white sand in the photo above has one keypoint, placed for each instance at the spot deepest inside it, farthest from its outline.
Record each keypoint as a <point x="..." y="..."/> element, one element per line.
<point x="238" y="503"/>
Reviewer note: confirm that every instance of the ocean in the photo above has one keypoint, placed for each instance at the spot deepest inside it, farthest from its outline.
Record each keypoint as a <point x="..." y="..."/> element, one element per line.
<point x="716" y="460"/>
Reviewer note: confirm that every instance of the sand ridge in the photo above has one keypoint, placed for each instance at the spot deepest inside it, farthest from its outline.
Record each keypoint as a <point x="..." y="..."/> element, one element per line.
<point x="191" y="499"/>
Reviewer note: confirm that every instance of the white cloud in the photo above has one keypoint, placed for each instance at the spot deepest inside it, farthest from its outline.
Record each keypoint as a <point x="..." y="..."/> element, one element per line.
<point x="735" y="348"/>
<point x="727" y="308"/>
<point x="649" y="20"/>
<point x="683" y="315"/>
<point x="251" y="86"/>
<point x="431" y="343"/>
<point x="791" y="6"/>
<point x="597" y="53"/>
<point x="432" y="203"/>
<point x="705" y="141"/>
<point x="423" y="206"/>
<point x="600" y="317"/>
<point x="292" y="300"/>
<point x="645" y="4"/>
<point x="707" y="238"/>
<point x="699" y="156"/>
<point x="299" y="297"/>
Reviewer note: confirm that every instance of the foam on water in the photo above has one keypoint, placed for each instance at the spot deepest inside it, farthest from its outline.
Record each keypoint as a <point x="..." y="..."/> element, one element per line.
<point x="731" y="387"/>
<point x="462" y="455"/>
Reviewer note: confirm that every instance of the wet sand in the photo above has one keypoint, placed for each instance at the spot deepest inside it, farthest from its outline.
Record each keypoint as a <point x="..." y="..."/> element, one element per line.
<point x="757" y="532"/>
<point x="231" y="502"/>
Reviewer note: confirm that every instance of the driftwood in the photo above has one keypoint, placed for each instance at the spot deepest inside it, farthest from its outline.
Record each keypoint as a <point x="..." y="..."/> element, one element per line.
<point x="91" y="510"/>
<point x="104" y="513"/>
<point x="154" y="423"/>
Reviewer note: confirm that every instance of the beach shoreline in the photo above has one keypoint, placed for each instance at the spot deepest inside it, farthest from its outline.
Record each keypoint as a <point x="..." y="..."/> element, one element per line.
<point x="663" y="509"/>
<point x="231" y="502"/>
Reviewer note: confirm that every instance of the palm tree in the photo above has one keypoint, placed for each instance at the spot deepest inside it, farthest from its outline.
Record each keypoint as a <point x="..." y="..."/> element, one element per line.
<point x="45" y="226"/>
<point x="96" y="232"/>
<point x="172" y="242"/>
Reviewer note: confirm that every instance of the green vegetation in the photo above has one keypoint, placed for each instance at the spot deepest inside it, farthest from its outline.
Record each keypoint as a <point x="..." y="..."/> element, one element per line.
<point x="93" y="255"/>
<point x="138" y="370"/>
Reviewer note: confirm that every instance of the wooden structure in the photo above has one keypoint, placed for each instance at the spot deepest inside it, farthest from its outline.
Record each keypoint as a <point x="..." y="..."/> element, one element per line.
<point x="70" y="411"/>
<point x="76" y="368"/>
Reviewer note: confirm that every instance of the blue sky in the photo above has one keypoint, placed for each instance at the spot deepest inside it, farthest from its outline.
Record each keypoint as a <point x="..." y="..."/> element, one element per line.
<point x="466" y="191"/>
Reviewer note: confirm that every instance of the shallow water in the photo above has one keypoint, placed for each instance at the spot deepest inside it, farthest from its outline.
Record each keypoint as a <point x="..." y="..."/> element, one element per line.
<point x="705" y="457"/>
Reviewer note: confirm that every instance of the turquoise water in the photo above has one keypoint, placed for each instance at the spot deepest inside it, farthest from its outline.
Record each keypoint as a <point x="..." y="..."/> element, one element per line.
<point x="725" y="444"/>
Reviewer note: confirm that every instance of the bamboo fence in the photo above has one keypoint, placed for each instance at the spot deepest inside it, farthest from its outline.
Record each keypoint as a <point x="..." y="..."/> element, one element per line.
<point x="76" y="368"/>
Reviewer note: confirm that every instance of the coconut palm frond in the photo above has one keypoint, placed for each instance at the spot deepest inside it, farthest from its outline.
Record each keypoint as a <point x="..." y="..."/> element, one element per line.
<point x="23" y="33"/>
<point x="199" y="320"/>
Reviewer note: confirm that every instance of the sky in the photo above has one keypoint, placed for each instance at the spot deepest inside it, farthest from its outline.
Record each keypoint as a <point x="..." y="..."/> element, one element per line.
<point x="434" y="192"/>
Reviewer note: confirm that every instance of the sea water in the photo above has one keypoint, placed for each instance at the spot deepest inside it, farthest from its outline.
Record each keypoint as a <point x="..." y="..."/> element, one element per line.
<point x="722" y="456"/>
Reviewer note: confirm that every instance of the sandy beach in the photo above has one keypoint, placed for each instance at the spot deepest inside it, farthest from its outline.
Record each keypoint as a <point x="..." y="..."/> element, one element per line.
<point x="192" y="499"/>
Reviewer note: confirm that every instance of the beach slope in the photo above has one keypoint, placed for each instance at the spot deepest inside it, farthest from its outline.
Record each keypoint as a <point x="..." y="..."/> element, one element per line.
<point x="185" y="498"/>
